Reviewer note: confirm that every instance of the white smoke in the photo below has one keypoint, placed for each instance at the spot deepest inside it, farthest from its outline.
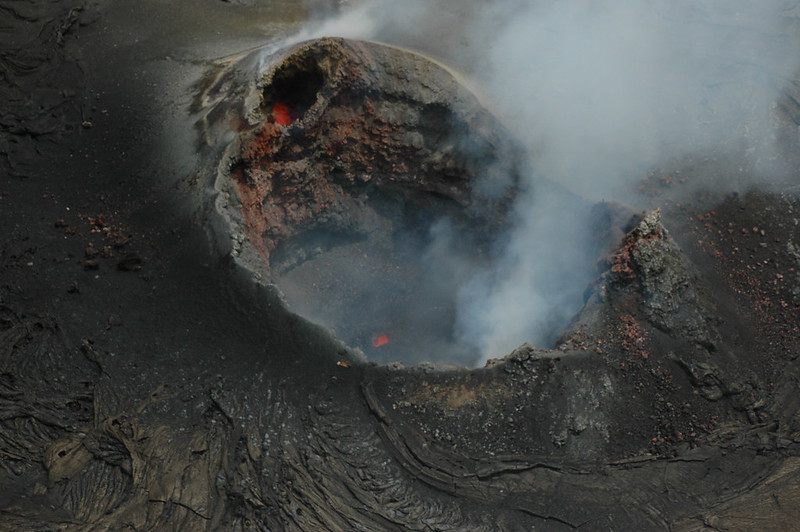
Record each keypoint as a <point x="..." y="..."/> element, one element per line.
<point x="603" y="90"/>
<point x="599" y="92"/>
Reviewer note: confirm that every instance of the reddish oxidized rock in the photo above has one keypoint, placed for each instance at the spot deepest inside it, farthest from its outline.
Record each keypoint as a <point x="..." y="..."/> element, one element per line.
<point x="350" y="139"/>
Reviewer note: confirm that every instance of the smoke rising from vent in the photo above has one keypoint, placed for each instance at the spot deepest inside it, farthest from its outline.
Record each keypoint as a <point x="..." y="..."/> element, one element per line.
<point x="598" y="93"/>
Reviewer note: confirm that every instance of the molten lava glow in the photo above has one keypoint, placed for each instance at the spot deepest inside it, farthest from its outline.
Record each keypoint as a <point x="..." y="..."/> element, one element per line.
<point x="380" y="340"/>
<point x="280" y="112"/>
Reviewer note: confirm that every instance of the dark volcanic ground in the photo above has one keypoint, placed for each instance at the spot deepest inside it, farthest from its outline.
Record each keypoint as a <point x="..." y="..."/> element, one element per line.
<point x="148" y="383"/>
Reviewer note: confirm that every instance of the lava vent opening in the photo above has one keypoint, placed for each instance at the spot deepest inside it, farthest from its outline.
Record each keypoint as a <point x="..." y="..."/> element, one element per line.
<point x="293" y="90"/>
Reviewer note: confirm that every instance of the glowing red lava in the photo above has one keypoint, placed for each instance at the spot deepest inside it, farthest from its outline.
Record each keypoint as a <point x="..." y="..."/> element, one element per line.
<point x="281" y="114"/>
<point x="380" y="340"/>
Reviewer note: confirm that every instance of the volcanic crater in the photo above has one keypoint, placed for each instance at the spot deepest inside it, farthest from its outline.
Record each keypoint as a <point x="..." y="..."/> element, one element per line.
<point x="355" y="166"/>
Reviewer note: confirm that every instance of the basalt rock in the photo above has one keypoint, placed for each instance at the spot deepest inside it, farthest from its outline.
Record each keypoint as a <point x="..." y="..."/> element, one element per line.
<point x="650" y="259"/>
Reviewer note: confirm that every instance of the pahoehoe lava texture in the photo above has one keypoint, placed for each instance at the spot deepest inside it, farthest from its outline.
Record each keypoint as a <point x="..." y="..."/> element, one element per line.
<point x="670" y="402"/>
